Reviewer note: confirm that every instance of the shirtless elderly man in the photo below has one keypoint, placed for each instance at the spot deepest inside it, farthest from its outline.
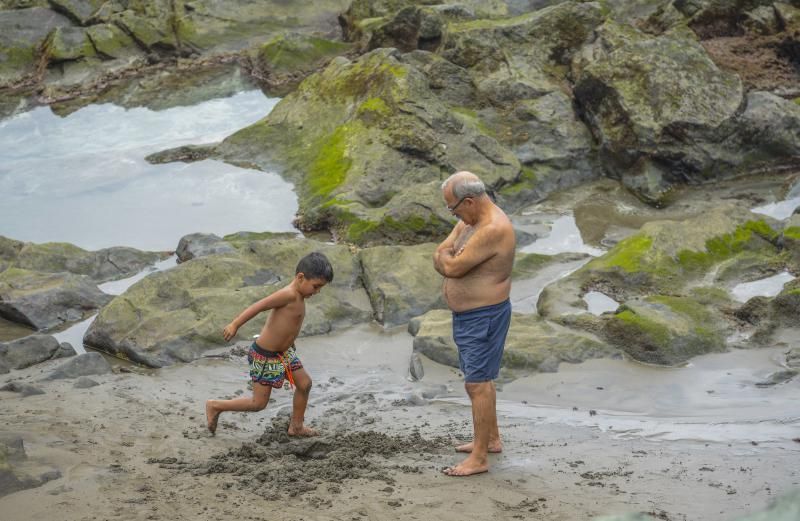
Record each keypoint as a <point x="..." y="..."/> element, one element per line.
<point x="476" y="261"/>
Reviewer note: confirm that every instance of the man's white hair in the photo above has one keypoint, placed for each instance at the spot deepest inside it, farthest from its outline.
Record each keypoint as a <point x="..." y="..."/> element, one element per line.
<point x="465" y="186"/>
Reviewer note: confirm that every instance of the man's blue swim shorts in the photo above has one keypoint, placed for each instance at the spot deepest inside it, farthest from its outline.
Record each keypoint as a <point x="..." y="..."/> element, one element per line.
<point x="480" y="335"/>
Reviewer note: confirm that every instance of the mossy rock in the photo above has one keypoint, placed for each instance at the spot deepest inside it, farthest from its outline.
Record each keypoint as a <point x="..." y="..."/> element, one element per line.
<point x="69" y="43"/>
<point x="401" y="281"/>
<point x="665" y="330"/>
<point x="22" y="32"/>
<point x="175" y="315"/>
<point x="111" y="41"/>
<point x="369" y="166"/>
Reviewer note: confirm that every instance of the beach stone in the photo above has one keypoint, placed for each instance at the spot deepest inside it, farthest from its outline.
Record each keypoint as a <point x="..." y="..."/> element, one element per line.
<point x="84" y="383"/>
<point x="30" y="350"/>
<point x="201" y="244"/>
<point x="415" y="369"/>
<point x="82" y="365"/>
<point x="23" y="389"/>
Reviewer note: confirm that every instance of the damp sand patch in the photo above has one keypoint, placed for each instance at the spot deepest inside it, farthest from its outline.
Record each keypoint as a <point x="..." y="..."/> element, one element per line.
<point x="287" y="466"/>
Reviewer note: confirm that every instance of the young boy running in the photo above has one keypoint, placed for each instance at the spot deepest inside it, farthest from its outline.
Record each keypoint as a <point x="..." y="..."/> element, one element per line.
<point x="272" y="356"/>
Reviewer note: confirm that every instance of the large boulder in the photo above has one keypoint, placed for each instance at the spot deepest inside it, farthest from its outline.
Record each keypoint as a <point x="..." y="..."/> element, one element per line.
<point x="665" y="115"/>
<point x="665" y="330"/>
<point x="723" y="246"/>
<point x="381" y="143"/>
<point x="532" y="345"/>
<point x="401" y="281"/>
<point x="176" y="314"/>
<point x="47" y="300"/>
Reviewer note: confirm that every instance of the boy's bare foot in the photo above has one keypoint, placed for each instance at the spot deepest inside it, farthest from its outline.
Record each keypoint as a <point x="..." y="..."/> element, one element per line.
<point x="302" y="431"/>
<point x="466" y="468"/>
<point x="211" y="417"/>
<point x="494" y="448"/>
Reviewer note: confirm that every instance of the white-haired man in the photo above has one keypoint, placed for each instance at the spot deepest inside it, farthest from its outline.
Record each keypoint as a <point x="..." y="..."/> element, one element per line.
<point x="476" y="261"/>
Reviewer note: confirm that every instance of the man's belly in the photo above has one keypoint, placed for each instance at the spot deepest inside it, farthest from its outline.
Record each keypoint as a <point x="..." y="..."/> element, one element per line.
<point x="461" y="295"/>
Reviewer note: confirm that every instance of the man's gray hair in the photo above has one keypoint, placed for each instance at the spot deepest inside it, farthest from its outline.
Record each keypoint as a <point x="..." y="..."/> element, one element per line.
<point x="464" y="187"/>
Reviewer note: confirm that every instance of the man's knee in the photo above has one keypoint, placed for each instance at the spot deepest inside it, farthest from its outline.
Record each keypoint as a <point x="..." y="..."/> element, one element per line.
<point x="477" y="388"/>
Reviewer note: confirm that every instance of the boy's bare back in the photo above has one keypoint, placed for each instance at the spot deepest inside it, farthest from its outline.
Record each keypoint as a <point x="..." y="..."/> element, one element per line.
<point x="284" y="322"/>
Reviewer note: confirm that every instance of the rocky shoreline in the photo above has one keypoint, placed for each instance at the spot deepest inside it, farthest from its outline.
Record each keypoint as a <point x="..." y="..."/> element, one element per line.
<point x="648" y="122"/>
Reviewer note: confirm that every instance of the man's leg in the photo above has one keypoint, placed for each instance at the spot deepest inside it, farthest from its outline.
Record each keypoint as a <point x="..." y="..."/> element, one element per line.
<point x="256" y="402"/>
<point x="484" y="416"/>
<point x="302" y="384"/>
<point x="495" y="443"/>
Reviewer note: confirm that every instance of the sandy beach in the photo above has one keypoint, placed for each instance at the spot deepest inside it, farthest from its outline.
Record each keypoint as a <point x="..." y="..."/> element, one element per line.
<point x="135" y="446"/>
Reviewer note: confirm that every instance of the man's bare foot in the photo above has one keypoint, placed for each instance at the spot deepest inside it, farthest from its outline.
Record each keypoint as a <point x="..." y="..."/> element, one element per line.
<point x="211" y="417"/>
<point x="494" y="448"/>
<point x="466" y="468"/>
<point x="303" y="431"/>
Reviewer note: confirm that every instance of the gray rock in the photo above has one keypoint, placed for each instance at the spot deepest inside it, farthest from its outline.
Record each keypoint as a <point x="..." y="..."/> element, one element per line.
<point x="84" y="383"/>
<point x="66" y="350"/>
<point x="201" y="244"/>
<point x="415" y="369"/>
<point x="30" y="350"/>
<point x="82" y="365"/>
<point x="46" y="300"/>
<point x="21" y="388"/>
<point x="778" y="377"/>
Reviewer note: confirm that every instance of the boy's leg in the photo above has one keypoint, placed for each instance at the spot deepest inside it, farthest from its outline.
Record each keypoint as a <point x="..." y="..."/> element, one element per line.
<point x="256" y="402"/>
<point x="302" y="384"/>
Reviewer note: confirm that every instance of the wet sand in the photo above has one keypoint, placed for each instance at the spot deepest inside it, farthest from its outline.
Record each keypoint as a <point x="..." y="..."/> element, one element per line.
<point x="135" y="446"/>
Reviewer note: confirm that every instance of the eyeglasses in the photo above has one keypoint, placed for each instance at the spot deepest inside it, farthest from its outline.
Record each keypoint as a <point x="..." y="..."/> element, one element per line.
<point x="453" y="209"/>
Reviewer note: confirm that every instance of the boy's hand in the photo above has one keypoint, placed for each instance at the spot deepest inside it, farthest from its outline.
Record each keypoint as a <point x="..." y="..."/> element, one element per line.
<point x="229" y="331"/>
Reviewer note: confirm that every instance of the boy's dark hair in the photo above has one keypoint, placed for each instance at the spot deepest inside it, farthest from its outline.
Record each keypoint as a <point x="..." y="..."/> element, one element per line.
<point x="315" y="266"/>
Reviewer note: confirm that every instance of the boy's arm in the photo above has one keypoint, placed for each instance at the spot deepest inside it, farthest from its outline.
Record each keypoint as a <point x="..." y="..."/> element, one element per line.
<point x="278" y="299"/>
<point x="478" y="249"/>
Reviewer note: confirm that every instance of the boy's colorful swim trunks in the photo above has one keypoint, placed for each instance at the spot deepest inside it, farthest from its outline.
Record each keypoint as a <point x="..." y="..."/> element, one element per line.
<point x="271" y="368"/>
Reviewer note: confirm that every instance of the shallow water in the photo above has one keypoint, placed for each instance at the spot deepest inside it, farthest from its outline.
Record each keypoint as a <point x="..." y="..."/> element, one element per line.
<point x="780" y="210"/>
<point x="768" y="287"/>
<point x="599" y="303"/>
<point x="83" y="178"/>
<point x="563" y="237"/>
<point x="713" y="399"/>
